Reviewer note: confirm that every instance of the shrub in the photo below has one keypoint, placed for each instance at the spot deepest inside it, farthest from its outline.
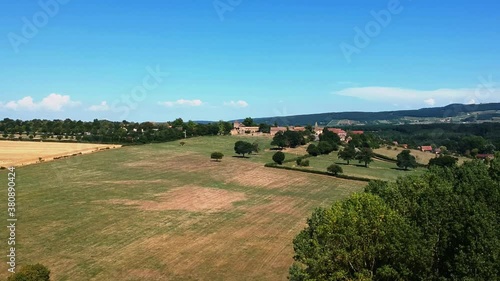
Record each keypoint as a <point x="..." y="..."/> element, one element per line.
<point x="182" y="143"/>
<point x="31" y="272"/>
<point x="217" y="156"/>
<point x="299" y="161"/>
<point x="304" y="163"/>
<point x="279" y="157"/>
<point x="335" y="169"/>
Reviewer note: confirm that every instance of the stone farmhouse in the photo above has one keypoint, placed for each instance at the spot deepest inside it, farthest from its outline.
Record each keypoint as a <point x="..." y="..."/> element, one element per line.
<point x="240" y="129"/>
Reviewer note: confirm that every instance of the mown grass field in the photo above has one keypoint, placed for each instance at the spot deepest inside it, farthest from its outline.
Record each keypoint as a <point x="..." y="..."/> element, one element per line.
<point x="421" y="157"/>
<point x="381" y="170"/>
<point x="165" y="212"/>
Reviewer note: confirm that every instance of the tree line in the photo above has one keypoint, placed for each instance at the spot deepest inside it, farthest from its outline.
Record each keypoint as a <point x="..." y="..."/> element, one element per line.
<point x="104" y="131"/>
<point x="463" y="139"/>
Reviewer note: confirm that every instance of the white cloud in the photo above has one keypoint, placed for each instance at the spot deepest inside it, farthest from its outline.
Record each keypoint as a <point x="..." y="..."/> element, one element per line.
<point x="412" y="97"/>
<point x="430" y="101"/>
<point x="52" y="102"/>
<point x="103" y="106"/>
<point x="237" y="104"/>
<point x="181" y="102"/>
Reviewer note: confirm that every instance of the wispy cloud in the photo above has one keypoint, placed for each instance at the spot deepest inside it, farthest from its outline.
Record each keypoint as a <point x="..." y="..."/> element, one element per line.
<point x="52" y="102"/>
<point x="181" y="102"/>
<point x="237" y="104"/>
<point x="406" y="97"/>
<point x="103" y="106"/>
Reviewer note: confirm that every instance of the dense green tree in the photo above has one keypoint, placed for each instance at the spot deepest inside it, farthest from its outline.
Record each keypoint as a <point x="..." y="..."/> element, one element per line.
<point x="280" y="140"/>
<point x="335" y="169"/>
<point x="313" y="150"/>
<point x="293" y="138"/>
<point x="243" y="147"/>
<point x="279" y="157"/>
<point x="457" y="210"/>
<point x="348" y="153"/>
<point x="365" y="155"/>
<point x="264" y="128"/>
<point x="248" y="122"/>
<point x="217" y="156"/>
<point x="325" y="147"/>
<point x="360" y="238"/>
<point x="494" y="169"/>
<point x="443" y="161"/>
<point x="330" y="137"/>
<point x="405" y="160"/>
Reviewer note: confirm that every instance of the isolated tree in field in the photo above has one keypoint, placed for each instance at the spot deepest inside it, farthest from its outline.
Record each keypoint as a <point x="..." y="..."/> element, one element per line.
<point x="31" y="272"/>
<point x="243" y="147"/>
<point x="347" y="154"/>
<point x="406" y="160"/>
<point x="217" y="156"/>
<point x="365" y="155"/>
<point x="182" y="143"/>
<point x="443" y="161"/>
<point x="335" y="169"/>
<point x="313" y="150"/>
<point x="279" y="157"/>
<point x="360" y="238"/>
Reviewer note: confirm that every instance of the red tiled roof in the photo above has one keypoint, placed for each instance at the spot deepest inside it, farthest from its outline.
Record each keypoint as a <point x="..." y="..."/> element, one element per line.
<point x="336" y="130"/>
<point x="426" y="148"/>
<point x="357" y="132"/>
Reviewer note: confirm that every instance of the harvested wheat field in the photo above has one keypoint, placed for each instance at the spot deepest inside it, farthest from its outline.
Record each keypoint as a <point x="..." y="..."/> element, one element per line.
<point x="18" y="153"/>
<point x="166" y="212"/>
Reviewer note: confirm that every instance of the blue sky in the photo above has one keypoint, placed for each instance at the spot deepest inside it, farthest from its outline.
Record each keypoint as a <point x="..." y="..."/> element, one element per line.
<point x="227" y="59"/>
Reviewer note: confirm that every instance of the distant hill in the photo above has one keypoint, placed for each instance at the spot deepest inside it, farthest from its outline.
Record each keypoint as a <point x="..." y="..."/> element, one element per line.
<point x="449" y="113"/>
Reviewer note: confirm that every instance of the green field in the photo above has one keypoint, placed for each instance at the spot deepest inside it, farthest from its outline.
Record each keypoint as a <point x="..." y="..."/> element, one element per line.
<point x="165" y="212"/>
<point x="377" y="169"/>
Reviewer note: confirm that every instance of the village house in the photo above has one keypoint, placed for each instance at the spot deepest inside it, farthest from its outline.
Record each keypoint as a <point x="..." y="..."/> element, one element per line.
<point x="485" y="156"/>
<point x="240" y="129"/>
<point x="426" y="148"/>
<point x="341" y="133"/>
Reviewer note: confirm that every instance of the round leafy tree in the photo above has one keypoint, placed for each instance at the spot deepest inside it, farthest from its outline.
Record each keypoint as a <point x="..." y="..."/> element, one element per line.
<point x="279" y="157"/>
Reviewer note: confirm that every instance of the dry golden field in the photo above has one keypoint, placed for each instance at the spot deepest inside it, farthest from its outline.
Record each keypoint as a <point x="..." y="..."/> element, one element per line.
<point x="166" y="212"/>
<point x="421" y="157"/>
<point x="19" y="153"/>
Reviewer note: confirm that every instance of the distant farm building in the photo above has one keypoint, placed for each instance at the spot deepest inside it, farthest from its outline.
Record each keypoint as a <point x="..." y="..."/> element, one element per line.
<point x="426" y="148"/>
<point x="240" y="129"/>
<point x="485" y="156"/>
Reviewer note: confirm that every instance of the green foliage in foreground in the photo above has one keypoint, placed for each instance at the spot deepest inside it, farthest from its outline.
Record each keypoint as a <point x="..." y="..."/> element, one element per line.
<point x="31" y="272"/>
<point x="443" y="225"/>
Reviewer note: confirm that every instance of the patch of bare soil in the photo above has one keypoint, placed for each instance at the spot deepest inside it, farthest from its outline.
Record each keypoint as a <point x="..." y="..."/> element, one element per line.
<point x="188" y="198"/>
